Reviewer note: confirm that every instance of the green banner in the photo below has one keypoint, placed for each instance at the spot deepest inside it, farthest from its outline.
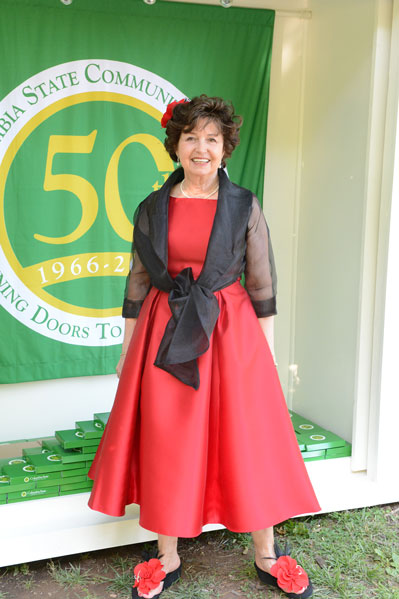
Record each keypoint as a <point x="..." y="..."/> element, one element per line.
<point x="82" y="91"/>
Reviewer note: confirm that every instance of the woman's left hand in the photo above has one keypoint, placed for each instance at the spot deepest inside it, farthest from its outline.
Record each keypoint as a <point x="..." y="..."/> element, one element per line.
<point x="267" y="326"/>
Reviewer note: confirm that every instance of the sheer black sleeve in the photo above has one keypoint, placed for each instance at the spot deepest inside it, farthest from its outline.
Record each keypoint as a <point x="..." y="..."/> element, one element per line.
<point x="260" y="271"/>
<point x="138" y="282"/>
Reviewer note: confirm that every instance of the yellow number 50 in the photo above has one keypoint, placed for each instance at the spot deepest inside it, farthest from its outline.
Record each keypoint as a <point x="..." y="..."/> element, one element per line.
<point x="85" y="192"/>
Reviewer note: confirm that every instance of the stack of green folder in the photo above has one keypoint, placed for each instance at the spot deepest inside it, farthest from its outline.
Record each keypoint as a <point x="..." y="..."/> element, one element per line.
<point x="59" y="466"/>
<point x="317" y="443"/>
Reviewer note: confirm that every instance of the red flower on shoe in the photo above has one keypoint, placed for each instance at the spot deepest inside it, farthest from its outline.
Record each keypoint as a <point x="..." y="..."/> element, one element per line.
<point x="148" y="575"/>
<point x="290" y="577"/>
<point x="169" y="112"/>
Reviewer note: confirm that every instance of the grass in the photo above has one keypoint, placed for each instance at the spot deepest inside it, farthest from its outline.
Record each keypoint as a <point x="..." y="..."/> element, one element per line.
<point x="121" y="583"/>
<point x="348" y="555"/>
<point x="232" y="540"/>
<point x="69" y="577"/>
<point x="346" y="552"/>
<point x="200" y="587"/>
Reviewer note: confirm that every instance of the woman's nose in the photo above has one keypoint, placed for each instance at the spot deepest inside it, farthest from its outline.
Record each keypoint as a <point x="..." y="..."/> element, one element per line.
<point x="201" y="144"/>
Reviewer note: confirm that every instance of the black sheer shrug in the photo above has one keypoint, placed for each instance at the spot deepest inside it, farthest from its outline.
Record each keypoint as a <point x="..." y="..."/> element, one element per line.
<point x="259" y="270"/>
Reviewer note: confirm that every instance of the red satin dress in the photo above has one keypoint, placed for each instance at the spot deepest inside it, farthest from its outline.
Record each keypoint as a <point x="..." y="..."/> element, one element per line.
<point x="226" y="453"/>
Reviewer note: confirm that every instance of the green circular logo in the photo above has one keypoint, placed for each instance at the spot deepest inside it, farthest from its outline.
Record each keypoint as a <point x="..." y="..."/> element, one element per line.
<point x="54" y="458"/>
<point x="28" y="468"/>
<point x="88" y="155"/>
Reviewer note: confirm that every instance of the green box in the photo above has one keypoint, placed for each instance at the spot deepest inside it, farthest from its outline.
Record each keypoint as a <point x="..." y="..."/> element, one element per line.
<point x="309" y="456"/>
<point x="11" y="461"/>
<point x="66" y="474"/>
<point x="24" y="473"/>
<point x="303" y="425"/>
<point x="4" y="481"/>
<point x="301" y="442"/>
<point x="321" y="439"/>
<point x="339" y="452"/>
<point x="307" y="428"/>
<point x="78" y="458"/>
<point x="3" y="499"/>
<point x="89" y="429"/>
<point x="74" y="492"/>
<point x="7" y="489"/>
<point x="91" y="449"/>
<point x="70" y="455"/>
<point x="72" y="439"/>
<point x="82" y="485"/>
<point x="50" y="443"/>
<point x="101" y="419"/>
<point x="29" y="496"/>
<point x="62" y="481"/>
<point x="51" y="483"/>
<point x="313" y="436"/>
<point x="65" y="459"/>
<point x="55" y="447"/>
<point x="49" y="463"/>
<point x="298" y="420"/>
<point x="34" y="451"/>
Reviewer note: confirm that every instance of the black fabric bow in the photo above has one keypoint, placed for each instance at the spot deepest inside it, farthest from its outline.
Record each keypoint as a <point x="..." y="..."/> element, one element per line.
<point x="193" y="304"/>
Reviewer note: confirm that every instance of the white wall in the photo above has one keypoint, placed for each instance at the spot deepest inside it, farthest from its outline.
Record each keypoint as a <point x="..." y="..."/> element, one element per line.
<point x="281" y="200"/>
<point x="37" y="409"/>
<point x="316" y="194"/>
<point x="332" y="207"/>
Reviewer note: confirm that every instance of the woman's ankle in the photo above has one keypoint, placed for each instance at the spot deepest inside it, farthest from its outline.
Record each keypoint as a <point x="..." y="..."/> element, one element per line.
<point x="170" y="561"/>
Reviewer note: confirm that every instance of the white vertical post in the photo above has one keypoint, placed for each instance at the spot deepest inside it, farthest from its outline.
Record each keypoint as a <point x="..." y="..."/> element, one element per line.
<point x="384" y="405"/>
<point x="367" y="359"/>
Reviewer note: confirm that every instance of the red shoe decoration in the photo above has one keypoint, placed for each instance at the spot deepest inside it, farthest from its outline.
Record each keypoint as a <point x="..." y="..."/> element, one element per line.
<point x="148" y="576"/>
<point x="291" y="577"/>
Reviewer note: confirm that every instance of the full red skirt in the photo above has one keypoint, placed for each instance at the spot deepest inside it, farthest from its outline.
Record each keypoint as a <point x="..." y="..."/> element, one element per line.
<point x="226" y="453"/>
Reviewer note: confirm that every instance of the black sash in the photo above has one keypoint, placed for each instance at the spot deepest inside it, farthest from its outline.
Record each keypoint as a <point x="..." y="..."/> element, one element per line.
<point x="193" y="304"/>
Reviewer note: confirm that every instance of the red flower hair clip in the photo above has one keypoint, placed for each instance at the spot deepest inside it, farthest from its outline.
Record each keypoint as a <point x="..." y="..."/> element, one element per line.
<point x="169" y="111"/>
<point x="290" y="576"/>
<point x="148" y="575"/>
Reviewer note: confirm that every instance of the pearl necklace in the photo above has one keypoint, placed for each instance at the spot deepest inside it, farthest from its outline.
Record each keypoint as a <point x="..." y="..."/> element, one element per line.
<point x="202" y="198"/>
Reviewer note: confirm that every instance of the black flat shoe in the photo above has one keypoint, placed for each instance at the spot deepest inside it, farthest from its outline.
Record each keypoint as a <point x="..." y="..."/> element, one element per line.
<point x="287" y="567"/>
<point x="169" y="579"/>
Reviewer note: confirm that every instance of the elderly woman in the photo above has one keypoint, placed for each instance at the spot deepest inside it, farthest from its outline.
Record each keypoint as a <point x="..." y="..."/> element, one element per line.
<point x="199" y="432"/>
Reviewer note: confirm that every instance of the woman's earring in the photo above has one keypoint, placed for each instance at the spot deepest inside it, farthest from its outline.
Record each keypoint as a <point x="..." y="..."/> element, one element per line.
<point x="177" y="159"/>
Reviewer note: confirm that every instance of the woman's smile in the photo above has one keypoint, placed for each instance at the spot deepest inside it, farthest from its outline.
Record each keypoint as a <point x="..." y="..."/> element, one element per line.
<point x="201" y="150"/>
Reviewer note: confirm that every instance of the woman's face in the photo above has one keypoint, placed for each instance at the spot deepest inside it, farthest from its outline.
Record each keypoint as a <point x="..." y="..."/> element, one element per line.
<point x="200" y="151"/>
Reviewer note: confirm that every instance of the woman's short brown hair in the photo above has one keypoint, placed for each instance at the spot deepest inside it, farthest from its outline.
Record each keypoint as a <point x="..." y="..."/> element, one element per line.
<point x="185" y="117"/>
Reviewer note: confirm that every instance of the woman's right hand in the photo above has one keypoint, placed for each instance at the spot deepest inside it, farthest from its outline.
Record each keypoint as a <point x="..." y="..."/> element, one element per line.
<point x="130" y="323"/>
<point x="120" y="364"/>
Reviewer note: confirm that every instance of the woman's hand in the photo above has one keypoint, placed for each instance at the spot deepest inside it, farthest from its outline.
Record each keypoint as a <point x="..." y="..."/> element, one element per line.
<point x="267" y="326"/>
<point x="120" y="364"/>
<point x="130" y="323"/>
